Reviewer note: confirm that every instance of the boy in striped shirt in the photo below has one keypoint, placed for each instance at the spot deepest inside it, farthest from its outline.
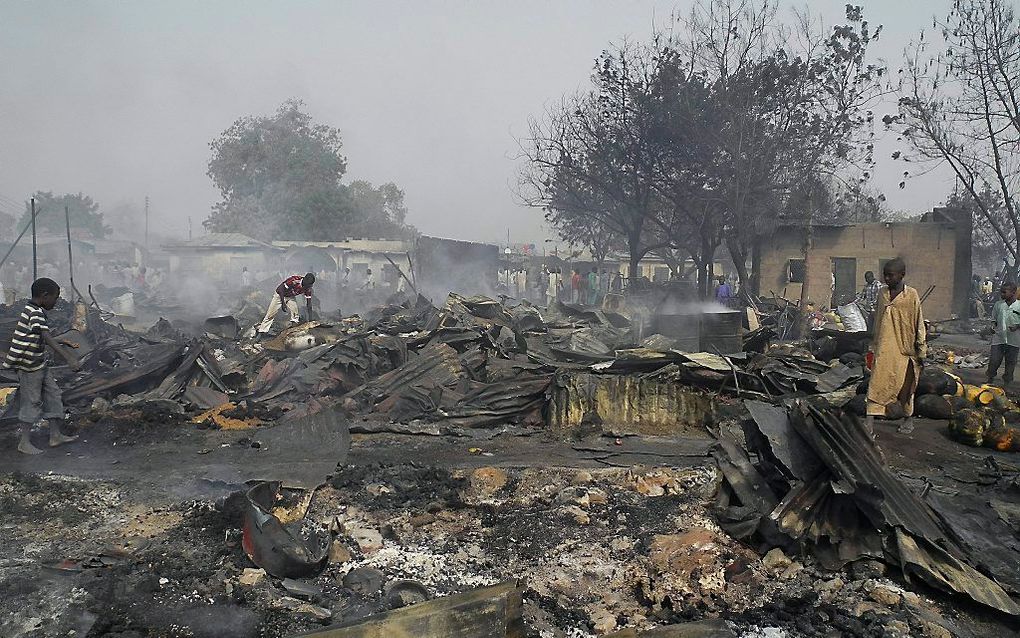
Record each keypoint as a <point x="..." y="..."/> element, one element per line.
<point x="38" y="394"/>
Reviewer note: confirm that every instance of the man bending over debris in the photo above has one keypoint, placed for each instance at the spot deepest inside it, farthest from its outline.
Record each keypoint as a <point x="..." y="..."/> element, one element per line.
<point x="899" y="348"/>
<point x="1005" y="339"/>
<point x="38" y="394"/>
<point x="285" y="294"/>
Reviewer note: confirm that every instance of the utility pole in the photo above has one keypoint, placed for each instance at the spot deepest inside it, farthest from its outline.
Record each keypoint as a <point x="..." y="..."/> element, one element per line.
<point x="146" y="222"/>
<point x="189" y="229"/>
<point x="35" y="258"/>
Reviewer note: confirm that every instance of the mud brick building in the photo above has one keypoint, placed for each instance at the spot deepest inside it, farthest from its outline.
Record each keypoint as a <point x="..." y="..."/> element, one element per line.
<point x="936" y="249"/>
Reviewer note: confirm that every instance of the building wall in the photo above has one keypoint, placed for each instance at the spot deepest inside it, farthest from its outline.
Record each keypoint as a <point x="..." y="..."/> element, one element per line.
<point x="932" y="252"/>
<point x="222" y="263"/>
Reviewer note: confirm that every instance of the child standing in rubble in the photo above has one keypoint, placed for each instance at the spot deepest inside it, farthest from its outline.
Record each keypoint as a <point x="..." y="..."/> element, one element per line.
<point x="899" y="346"/>
<point x="38" y="394"/>
<point x="1006" y="338"/>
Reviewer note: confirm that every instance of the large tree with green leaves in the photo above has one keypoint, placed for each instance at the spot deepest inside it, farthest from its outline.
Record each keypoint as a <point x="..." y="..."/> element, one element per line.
<point x="86" y="220"/>
<point x="279" y="178"/>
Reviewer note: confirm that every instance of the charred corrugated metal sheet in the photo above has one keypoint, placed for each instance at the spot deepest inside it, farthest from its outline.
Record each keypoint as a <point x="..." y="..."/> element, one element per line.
<point x="854" y="507"/>
<point x="629" y="403"/>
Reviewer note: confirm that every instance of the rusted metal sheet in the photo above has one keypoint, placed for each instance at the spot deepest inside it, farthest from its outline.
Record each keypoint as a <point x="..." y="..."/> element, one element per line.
<point x="491" y="612"/>
<point x="939" y="569"/>
<point x="627" y="404"/>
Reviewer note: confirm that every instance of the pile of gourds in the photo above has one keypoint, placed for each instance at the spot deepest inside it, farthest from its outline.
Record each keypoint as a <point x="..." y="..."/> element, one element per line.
<point x="979" y="416"/>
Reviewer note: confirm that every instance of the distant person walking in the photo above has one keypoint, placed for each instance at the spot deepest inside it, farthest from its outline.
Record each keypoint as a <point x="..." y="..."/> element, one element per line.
<point x="899" y="346"/>
<point x="723" y="292"/>
<point x="290" y="288"/>
<point x="555" y="284"/>
<point x="575" y="287"/>
<point x="245" y="278"/>
<point x="617" y="285"/>
<point x="1006" y="338"/>
<point x="593" y="287"/>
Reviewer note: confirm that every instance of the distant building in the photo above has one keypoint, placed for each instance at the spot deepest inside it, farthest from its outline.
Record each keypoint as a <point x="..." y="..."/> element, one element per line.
<point x="222" y="256"/>
<point x="355" y="253"/>
<point x="936" y="249"/>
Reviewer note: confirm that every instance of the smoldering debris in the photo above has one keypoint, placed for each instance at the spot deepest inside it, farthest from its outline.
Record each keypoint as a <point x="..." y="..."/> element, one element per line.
<point x="563" y="450"/>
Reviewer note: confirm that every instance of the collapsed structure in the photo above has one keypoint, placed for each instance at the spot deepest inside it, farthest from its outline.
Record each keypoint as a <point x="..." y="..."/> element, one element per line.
<point x="261" y="426"/>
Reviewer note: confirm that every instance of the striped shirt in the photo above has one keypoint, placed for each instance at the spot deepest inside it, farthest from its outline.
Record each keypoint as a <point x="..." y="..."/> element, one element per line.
<point x="27" y="351"/>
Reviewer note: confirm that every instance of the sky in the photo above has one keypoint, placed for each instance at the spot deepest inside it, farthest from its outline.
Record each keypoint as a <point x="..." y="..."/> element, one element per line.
<point x="121" y="99"/>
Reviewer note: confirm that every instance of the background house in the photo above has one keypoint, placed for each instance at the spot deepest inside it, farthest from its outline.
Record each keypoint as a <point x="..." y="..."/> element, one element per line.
<point x="936" y="250"/>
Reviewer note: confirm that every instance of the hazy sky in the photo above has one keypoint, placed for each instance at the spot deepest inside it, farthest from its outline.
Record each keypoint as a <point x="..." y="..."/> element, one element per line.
<point x="120" y="99"/>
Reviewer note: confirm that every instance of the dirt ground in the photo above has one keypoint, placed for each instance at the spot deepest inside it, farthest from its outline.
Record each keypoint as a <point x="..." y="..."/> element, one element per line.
<point x="597" y="547"/>
<point x="603" y="532"/>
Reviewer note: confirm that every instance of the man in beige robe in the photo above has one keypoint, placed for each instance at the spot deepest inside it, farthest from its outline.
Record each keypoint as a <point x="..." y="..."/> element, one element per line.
<point x="899" y="347"/>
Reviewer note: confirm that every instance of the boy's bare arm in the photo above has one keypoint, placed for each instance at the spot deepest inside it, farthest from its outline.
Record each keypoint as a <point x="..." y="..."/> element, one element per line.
<point x="64" y="353"/>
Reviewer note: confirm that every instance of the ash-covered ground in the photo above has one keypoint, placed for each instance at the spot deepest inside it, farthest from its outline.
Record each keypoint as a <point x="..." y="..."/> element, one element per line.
<point x="597" y="549"/>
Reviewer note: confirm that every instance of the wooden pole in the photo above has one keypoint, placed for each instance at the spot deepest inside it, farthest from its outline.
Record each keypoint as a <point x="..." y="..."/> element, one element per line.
<point x="70" y="255"/>
<point x="15" y="244"/>
<point x="35" y="250"/>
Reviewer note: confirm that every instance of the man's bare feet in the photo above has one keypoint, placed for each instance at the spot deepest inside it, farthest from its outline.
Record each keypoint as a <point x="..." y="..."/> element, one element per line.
<point x="25" y="447"/>
<point x="59" y="438"/>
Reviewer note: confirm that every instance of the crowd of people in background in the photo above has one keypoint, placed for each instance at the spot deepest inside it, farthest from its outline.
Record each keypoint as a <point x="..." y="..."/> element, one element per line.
<point x="588" y="286"/>
<point x="551" y="284"/>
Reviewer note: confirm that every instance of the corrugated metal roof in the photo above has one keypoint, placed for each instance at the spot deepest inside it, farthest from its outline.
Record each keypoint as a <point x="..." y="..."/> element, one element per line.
<point x="223" y="240"/>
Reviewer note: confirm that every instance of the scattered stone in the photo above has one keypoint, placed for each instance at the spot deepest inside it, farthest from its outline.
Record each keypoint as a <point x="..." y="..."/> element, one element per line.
<point x="832" y="586"/>
<point x="597" y="496"/>
<point x="299" y="608"/>
<point x="422" y="520"/>
<point x="776" y="559"/>
<point x="364" y="580"/>
<point x="602" y="621"/>
<point x="934" y="630"/>
<point x="338" y="553"/>
<point x="301" y="589"/>
<point x="739" y="571"/>
<point x="251" y="577"/>
<point x="484" y="482"/>
<point x="369" y="540"/>
<point x="377" y="489"/>
<point x="583" y="477"/>
<point x="579" y="515"/>
<point x="882" y="594"/>
<point x="572" y="496"/>
<point x="897" y="629"/>
<point x="867" y="569"/>
<point x="100" y="406"/>
<point x="657" y="483"/>
<point x="865" y="606"/>
<point x="621" y="544"/>
<point x="791" y="571"/>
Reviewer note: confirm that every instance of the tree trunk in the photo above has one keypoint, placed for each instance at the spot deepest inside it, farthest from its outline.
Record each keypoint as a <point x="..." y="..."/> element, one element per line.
<point x="755" y="280"/>
<point x="634" y="246"/>
<point x="703" y="275"/>
<point x="739" y="256"/>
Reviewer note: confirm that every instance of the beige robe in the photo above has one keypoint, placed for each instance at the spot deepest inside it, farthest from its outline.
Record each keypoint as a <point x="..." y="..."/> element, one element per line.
<point x="899" y="345"/>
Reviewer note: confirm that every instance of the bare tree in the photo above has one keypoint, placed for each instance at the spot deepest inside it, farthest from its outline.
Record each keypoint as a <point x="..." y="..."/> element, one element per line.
<point x="792" y="104"/>
<point x="959" y="106"/>
<point x="588" y="160"/>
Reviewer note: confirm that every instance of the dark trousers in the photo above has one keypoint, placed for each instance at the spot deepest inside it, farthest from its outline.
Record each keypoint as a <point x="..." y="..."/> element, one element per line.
<point x="1002" y="352"/>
